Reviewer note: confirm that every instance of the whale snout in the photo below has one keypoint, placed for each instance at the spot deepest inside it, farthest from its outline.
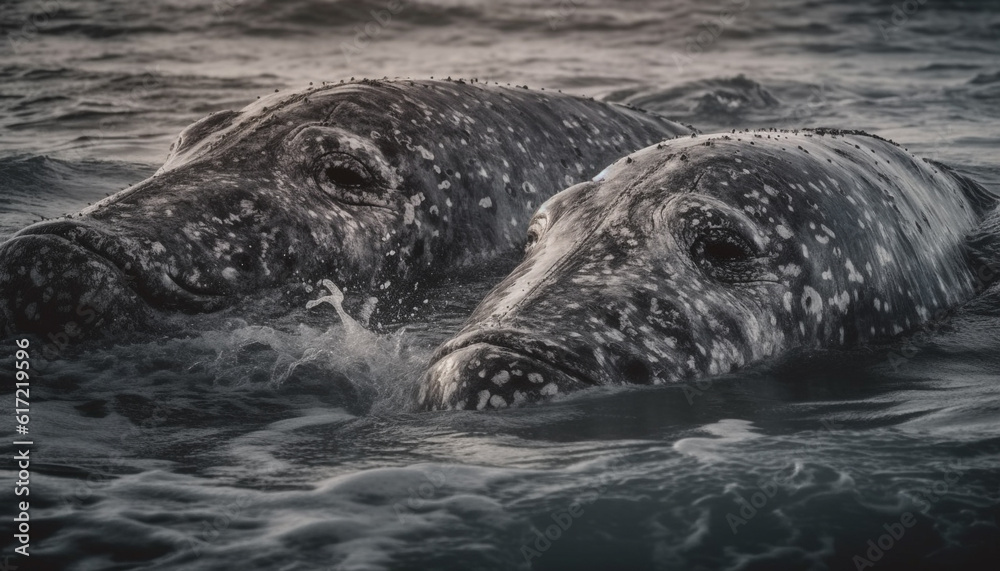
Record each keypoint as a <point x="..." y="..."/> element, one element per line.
<point x="56" y="288"/>
<point x="480" y="371"/>
<point x="497" y="370"/>
<point x="87" y="278"/>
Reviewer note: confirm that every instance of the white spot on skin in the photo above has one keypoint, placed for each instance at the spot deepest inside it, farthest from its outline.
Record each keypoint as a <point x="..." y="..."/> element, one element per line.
<point x="549" y="389"/>
<point x="883" y="255"/>
<point x="840" y="301"/>
<point x="501" y="378"/>
<point x="484" y="397"/>
<point x="853" y="274"/>
<point x="425" y="153"/>
<point x="534" y="377"/>
<point x="486" y="202"/>
<point x="791" y="270"/>
<point x="784" y="232"/>
<point x="812" y="302"/>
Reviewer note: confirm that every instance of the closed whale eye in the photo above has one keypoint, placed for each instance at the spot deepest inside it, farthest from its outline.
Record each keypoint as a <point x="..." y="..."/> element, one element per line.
<point x="347" y="180"/>
<point x="343" y="173"/>
<point x="343" y="170"/>
<point x="725" y="254"/>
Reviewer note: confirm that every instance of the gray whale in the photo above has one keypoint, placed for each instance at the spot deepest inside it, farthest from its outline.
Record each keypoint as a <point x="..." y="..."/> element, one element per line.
<point x="381" y="186"/>
<point x="700" y="256"/>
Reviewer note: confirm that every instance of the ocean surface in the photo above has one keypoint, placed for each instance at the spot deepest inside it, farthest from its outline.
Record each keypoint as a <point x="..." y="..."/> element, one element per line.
<point x="293" y="445"/>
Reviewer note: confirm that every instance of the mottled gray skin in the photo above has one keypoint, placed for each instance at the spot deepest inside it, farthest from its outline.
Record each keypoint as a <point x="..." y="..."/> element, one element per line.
<point x="700" y="256"/>
<point x="381" y="186"/>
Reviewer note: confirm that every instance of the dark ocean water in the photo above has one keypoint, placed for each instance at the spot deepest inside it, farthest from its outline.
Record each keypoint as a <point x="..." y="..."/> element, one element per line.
<point x="291" y="445"/>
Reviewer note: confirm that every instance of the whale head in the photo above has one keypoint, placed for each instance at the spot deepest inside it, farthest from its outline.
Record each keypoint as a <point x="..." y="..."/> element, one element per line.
<point x="278" y="193"/>
<point x="701" y="256"/>
<point x="378" y="186"/>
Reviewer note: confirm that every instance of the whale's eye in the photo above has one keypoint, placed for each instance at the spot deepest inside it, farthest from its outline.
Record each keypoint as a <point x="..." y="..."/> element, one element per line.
<point x="348" y="180"/>
<point x="344" y="171"/>
<point x="532" y="239"/>
<point x="535" y="229"/>
<point x="344" y="175"/>
<point x="724" y="253"/>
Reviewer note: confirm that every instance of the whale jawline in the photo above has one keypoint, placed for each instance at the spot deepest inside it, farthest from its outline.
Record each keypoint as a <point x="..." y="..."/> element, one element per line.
<point x="516" y="347"/>
<point x="153" y="292"/>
